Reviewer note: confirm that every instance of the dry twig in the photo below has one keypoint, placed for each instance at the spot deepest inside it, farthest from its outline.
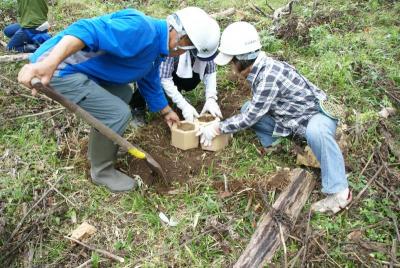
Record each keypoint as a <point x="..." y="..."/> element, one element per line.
<point x="326" y="253"/>
<point x="224" y="13"/>
<point x="36" y="114"/>
<point x="101" y="251"/>
<point x="283" y="244"/>
<point x="306" y="238"/>
<point x="365" y="187"/>
<point x="14" y="57"/>
<point x="30" y="210"/>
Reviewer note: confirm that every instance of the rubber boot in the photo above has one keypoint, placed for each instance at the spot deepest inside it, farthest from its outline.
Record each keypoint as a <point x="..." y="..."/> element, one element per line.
<point x="102" y="156"/>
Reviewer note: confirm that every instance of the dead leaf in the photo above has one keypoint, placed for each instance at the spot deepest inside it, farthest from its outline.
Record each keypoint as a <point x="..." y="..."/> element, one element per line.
<point x="386" y="112"/>
<point x="170" y="221"/>
<point x="307" y="158"/>
<point x="176" y="191"/>
<point x="83" y="231"/>
<point x="355" y="235"/>
<point x="196" y="220"/>
<point x="224" y="194"/>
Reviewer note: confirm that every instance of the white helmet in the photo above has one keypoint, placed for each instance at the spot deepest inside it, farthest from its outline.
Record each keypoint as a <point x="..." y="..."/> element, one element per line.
<point x="203" y="31"/>
<point x="237" y="39"/>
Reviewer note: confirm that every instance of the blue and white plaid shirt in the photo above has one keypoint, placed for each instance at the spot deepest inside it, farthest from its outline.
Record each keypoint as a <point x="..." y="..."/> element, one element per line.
<point x="279" y="90"/>
<point x="170" y="64"/>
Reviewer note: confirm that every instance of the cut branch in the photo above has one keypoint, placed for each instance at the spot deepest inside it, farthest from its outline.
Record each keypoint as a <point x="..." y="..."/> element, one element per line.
<point x="101" y="251"/>
<point x="30" y="210"/>
<point x="267" y="237"/>
<point x="15" y="58"/>
<point x="224" y="13"/>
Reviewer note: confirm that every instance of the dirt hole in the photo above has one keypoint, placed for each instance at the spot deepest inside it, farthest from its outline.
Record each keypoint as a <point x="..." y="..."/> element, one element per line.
<point x="206" y="118"/>
<point x="186" y="126"/>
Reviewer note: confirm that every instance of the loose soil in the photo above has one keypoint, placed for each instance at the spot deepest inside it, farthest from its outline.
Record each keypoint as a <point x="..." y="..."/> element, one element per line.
<point x="275" y="181"/>
<point x="206" y="118"/>
<point x="180" y="166"/>
<point x="186" y="127"/>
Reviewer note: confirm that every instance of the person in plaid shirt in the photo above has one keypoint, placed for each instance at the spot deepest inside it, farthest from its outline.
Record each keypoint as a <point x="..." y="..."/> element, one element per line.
<point x="180" y="73"/>
<point x="283" y="103"/>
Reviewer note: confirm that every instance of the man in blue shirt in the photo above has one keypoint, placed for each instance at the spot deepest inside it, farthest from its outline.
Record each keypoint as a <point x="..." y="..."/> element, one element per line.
<point x="93" y="61"/>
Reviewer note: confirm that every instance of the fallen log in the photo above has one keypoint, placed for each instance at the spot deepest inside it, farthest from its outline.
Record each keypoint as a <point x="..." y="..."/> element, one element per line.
<point x="14" y="57"/>
<point x="274" y="227"/>
<point x="224" y="13"/>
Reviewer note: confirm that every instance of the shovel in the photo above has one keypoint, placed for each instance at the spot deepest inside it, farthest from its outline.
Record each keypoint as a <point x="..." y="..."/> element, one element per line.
<point x="103" y="129"/>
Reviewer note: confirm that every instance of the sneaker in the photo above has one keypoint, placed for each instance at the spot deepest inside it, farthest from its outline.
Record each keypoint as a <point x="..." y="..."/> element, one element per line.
<point x="138" y="118"/>
<point x="334" y="202"/>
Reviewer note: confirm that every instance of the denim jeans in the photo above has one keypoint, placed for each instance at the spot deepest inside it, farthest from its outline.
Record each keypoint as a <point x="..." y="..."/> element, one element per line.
<point x="18" y="39"/>
<point x="320" y="136"/>
<point x="22" y="39"/>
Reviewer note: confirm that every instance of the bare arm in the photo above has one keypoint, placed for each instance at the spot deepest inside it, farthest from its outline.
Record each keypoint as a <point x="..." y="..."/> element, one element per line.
<point x="44" y="70"/>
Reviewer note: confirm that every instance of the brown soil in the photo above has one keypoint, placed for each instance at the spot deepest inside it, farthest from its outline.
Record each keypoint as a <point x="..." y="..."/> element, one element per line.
<point x="180" y="166"/>
<point x="278" y="180"/>
<point x="186" y="127"/>
<point x="205" y="118"/>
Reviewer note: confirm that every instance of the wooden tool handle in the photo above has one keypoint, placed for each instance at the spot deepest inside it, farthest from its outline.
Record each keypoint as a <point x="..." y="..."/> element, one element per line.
<point x="88" y="118"/>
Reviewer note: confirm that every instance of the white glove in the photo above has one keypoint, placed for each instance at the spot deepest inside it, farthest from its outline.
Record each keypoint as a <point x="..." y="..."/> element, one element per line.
<point x="208" y="132"/>
<point x="188" y="111"/>
<point x="212" y="107"/>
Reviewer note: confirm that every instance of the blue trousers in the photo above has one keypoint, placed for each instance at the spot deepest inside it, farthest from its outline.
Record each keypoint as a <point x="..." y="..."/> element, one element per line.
<point x="320" y="136"/>
<point x="21" y="38"/>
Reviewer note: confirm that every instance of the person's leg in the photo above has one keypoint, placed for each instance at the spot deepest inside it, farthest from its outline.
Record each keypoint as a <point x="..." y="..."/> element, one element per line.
<point x="111" y="111"/>
<point x="124" y="92"/>
<point x="18" y="41"/>
<point x="11" y="29"/>
<point x="138" y="109"/>
<point x="137" y="101"/>
<point x="264" y="128"/>
<point x="320" y="135"/>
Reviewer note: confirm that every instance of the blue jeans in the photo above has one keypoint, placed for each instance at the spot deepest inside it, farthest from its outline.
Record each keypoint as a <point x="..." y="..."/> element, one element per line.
<point x="22" y="39"/>
<point x="320" y="136"/>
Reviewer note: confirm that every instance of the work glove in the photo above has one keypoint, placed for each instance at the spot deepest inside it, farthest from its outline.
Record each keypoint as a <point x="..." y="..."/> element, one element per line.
<point x="212" y="107"/>
<point x="208" y="132"/>
<point x="188" y="111"/>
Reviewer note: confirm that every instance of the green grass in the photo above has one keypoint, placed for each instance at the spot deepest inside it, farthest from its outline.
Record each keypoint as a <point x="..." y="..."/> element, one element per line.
<point x="349" y="57"/>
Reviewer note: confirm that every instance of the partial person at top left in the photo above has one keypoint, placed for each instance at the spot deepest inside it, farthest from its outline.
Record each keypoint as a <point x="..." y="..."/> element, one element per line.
<point x="32" y="27"/>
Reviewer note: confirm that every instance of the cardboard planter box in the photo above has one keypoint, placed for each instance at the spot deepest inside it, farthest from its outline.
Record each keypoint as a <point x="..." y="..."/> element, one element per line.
<point x="218" y="143"/>
<point x="184" y="136"/>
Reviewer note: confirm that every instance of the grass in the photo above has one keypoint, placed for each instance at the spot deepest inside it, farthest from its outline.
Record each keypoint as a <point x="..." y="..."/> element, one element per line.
<point x="353" y="57"/>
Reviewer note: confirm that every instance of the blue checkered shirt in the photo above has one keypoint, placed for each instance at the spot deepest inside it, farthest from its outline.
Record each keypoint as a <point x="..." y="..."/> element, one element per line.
<point x="170" y="64"/>
<point x="280" y="91"/>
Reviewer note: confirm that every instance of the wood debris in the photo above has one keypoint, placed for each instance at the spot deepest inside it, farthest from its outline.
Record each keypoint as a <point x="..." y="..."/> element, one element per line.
<point x="83" y="231"/>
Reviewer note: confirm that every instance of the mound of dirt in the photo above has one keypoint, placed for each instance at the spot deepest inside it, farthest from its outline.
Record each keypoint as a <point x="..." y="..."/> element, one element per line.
<point x="180" y="166"/>
<point x="276" y="181"/>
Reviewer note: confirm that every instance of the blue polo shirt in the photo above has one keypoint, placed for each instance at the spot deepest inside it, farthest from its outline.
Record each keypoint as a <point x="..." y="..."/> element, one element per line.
<point x="121" y="47"/>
